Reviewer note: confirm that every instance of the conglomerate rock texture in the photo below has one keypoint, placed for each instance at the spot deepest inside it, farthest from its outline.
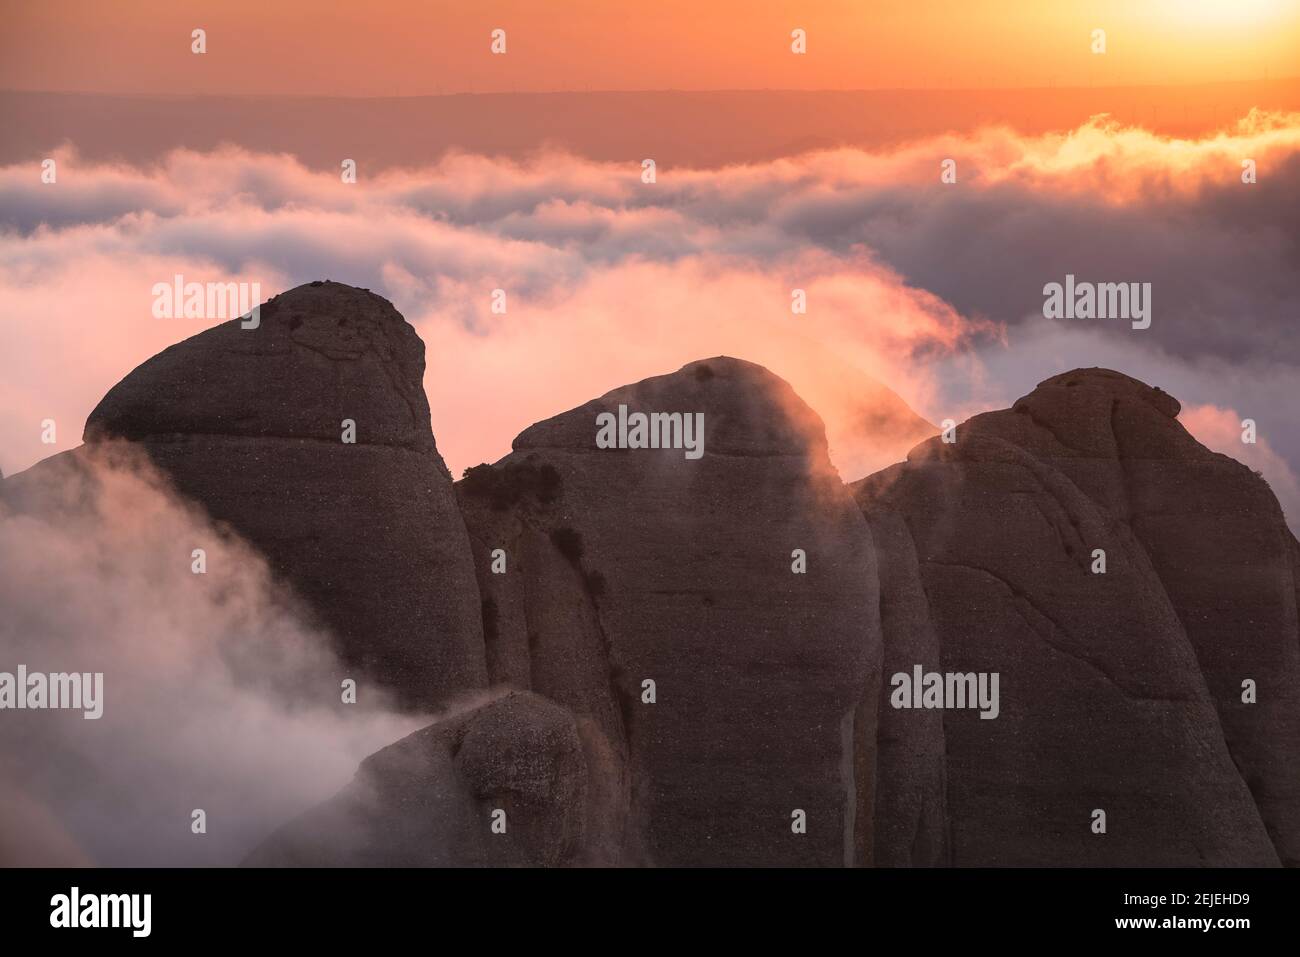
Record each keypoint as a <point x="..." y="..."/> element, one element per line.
<point x="431" y="799"/>
<point x="648" y="656"/>
<point x="250" y="423"/>
<point x="627" y="566"/>
<point x="1121" y="690"/>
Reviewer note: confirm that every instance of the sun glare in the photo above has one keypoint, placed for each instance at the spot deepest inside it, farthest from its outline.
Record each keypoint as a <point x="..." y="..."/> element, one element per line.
<point x="1225" y="13"/>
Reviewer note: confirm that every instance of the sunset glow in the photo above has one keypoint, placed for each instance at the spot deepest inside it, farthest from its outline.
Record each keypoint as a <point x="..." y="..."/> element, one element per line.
<point x="418" y="47"/>
<point x="677" y="434"/>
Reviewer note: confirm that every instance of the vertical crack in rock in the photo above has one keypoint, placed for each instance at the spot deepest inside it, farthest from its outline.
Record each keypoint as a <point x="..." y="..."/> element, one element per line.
<point x="848" y="757"/>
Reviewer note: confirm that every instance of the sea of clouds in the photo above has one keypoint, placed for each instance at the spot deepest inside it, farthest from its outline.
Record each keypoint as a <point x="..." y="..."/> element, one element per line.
<point x="933" y="290"/>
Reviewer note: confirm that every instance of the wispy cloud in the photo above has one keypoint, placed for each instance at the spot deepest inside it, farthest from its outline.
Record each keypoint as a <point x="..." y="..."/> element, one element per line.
<point x="218" y="694"/>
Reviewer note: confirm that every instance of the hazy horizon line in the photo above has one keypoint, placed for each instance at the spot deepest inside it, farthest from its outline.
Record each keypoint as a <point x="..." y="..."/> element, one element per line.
<point x="656" y="91"/>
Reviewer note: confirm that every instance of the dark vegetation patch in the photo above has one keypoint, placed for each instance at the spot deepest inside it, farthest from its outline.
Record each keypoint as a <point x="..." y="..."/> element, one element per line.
<point x="569" y="543"/>
<point x="506" y="486"/>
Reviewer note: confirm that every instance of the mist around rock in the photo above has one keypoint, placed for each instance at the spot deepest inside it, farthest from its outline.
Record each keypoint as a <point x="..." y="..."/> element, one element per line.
<point x="319" y="650"/>
<point x="222" y="694"/>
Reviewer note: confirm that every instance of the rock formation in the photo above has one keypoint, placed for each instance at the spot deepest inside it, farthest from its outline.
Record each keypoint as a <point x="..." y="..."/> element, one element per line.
<point x="720" y="703"/>
<point x="250" y="423"/>
<point x="432" y="798"/>
<point x="690" y="656"/>
<point x="1121" y="690"/>
<point x="627" y="566"/>
<point x="1220" y="545"/>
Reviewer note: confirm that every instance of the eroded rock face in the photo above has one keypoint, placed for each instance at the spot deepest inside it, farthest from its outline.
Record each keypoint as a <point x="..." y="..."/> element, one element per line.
<point x="432" y="799"/>
<point x="700" y="647"/>
<point x="249" y="423"/>
<point x="627" y="566"/>
<point x="1221" y="547"/>
<point x="1119" y="691"/>
<point x="910" y="815"/>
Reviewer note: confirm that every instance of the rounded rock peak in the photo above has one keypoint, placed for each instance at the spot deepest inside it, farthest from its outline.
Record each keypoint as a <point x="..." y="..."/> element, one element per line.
<point x="747" y="410"/>
<point x="314" y="356"/>
<point x="326" y="298"/>
<point x="1116" y="384"/>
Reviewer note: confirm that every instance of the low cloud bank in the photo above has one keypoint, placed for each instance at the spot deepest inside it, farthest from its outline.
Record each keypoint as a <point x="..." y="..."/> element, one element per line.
<point x="933" y="289"/>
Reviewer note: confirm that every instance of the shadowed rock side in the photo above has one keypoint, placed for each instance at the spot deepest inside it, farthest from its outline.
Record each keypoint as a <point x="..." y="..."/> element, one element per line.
<point x="1220" y="544"/>
<point x="248" y="422"/>
<point x="431" y="799"/>
<point x="911" y="822"/>
<point x="631" y="565"/>
<point x="1120" y="691"/>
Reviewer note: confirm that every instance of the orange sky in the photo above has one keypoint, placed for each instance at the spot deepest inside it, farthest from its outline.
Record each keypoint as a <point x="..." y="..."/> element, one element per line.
<point x="409" y="47"/>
